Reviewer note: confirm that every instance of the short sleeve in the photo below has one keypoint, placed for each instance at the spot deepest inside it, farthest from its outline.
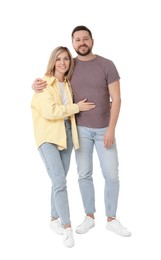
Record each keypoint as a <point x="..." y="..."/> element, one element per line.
<point x="112" y="73"/>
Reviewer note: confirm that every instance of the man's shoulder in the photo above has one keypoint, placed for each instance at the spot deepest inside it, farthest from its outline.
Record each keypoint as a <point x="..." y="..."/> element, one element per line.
<point x="104" y="59"/>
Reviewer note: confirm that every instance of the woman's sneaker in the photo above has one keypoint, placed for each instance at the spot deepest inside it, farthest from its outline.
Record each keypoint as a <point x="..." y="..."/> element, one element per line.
<point x="56" y="226"/>
<point x="68" y="239"/>
<point x="87" y="224"/>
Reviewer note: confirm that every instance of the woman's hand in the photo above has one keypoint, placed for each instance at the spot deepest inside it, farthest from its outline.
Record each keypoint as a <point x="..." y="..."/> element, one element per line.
<point x="85" y="106"/>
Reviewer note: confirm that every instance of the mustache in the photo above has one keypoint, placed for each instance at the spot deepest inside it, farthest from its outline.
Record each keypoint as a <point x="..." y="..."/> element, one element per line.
<point x="84" y="45"/>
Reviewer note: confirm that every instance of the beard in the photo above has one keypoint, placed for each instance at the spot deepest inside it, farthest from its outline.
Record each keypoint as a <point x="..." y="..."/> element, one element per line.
<point x="84" y="53"/>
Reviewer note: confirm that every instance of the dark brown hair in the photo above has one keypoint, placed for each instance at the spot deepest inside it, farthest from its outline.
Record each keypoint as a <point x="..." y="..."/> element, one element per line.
<point x="81" y="28"/>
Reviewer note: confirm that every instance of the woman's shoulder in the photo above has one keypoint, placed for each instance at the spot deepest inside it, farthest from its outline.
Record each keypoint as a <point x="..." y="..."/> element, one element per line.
<point x="49" y="80"/>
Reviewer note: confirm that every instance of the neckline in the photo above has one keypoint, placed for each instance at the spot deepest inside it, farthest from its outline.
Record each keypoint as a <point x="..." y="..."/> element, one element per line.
<point x="87" y="60"/>
<point x="61" y="83"/>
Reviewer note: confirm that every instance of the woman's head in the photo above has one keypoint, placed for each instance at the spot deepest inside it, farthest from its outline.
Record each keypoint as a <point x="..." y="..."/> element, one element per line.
<point x="60" y="63"/>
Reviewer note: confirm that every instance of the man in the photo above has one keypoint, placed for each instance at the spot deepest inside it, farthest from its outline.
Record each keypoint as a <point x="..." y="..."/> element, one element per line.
<point x="96" y="79"/>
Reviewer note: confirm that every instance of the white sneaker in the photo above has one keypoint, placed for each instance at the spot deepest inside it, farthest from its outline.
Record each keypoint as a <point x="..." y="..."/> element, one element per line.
<point x="116" y="227"/>
<point x="56" y="226"/>
<point x="68" y="239"/>
<point x="87" y="224"/>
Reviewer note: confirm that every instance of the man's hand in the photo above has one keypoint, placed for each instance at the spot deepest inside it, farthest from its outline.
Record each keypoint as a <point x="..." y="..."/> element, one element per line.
<point x="38" y="85"/>
<point x="109" y="138"/>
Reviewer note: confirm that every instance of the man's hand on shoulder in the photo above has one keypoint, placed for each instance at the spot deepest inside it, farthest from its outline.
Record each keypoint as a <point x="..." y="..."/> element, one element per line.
<point x="39" y="85"/>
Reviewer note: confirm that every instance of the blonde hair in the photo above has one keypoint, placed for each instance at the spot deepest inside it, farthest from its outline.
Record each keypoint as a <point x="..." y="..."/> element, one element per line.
<point x="52" y="60"/>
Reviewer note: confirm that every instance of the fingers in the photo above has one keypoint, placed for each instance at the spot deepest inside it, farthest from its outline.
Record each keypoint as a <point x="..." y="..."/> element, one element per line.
<point x="40" y="85"/>
<point x="108" y="142"/>
<point x="85" y="101"/>
<point x="90" y="103"/>
<point x="89" y="106"/>
<point x="85" y="106"/>
<point x="39" y="79"/>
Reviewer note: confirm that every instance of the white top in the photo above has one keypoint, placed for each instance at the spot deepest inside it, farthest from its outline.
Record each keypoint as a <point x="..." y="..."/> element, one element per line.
<point x="63" y="94"/>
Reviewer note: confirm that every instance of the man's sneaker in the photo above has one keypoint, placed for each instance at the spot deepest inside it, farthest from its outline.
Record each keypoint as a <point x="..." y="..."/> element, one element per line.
<point x="68" y="239"/>
<point x="56" y="226"/>
<point x="117" y="228"/>
<point x="87" y="224"/>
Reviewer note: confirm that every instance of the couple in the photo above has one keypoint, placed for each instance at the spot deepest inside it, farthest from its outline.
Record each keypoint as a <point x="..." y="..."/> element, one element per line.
<point x="94" y="82"/>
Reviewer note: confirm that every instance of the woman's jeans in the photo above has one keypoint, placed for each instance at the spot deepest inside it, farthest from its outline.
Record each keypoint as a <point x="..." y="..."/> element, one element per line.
<point x="57" y="165"/>
<point x="90" y="138"/>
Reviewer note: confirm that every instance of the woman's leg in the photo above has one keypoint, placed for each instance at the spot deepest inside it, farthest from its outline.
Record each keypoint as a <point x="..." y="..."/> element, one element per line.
<point x="59" y="198"/>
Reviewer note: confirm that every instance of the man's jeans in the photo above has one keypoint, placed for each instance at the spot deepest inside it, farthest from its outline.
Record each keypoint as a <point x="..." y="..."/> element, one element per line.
<point x="90" y="137"/>
<point x="57" y="165"/>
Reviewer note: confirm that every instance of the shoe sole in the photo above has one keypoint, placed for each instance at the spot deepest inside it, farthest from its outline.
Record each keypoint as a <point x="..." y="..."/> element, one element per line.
<point x="69" y="246"/>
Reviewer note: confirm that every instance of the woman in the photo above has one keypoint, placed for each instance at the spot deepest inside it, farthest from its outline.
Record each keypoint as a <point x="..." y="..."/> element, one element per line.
<point x="55" y="134"/>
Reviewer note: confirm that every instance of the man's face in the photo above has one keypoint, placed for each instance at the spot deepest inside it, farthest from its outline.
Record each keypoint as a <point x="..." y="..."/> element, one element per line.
<point x="82" y="43"/>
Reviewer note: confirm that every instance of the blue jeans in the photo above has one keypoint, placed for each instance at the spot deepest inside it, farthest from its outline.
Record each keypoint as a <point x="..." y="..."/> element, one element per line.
<point x="90" y="138"/>
<point x="57" y="165"/>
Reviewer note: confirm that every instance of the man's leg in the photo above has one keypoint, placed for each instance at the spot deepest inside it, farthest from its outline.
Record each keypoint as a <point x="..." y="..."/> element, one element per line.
<point x="109" y="164"/>
<point x="84" y="160"/>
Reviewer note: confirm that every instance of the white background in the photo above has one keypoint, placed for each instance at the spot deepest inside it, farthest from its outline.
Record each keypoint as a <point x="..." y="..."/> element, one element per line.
<point x="127" y="32"/>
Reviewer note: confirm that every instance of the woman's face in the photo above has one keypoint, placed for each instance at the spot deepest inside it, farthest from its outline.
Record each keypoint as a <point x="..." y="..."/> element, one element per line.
<point x="62" y="63"/>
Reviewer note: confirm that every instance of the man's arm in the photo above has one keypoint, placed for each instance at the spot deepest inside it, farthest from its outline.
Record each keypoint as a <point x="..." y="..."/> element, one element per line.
<point x="38" y="85"/>
<point x="114" y="90"/>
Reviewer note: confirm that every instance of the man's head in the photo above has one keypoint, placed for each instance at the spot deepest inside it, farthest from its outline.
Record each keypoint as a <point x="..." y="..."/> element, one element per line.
<point x="81" y="28"/>
<point x="82" y="40"/>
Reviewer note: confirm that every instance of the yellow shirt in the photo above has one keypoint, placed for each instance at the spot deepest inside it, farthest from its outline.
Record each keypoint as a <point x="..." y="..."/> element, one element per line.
<point x="48" y="114"/>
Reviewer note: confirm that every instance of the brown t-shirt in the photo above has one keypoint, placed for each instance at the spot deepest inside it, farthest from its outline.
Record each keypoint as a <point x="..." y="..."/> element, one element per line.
<point x="90" y="80"/>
